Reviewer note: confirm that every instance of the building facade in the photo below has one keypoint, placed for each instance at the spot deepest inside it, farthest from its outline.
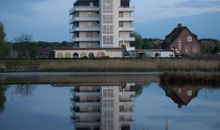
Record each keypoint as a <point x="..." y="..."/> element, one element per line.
<point x="89" y="53"/>
<point x="182" y="41"/>
<point x="108" y="107"/>
<point x="102" y="24"/>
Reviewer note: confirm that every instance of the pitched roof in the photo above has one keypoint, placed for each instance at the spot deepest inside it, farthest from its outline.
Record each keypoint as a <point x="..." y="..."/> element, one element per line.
<point x="176" y="32"/>
<point x="178" y="98"/>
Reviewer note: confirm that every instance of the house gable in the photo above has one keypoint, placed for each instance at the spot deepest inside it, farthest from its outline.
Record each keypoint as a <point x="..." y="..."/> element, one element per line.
<point x="182" y="41"/>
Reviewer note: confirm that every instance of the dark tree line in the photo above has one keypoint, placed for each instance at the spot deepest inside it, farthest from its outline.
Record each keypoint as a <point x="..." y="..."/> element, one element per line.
<point x="3" y="46"/>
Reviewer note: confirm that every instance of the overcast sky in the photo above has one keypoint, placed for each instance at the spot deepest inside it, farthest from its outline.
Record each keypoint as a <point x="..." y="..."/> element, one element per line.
<point x="48" y="20"/>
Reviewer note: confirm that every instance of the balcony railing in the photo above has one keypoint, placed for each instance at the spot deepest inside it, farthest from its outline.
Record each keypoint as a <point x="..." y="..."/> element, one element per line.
<point x="86" y="39"/>
<point x="126" y="39"/>
<point x="83" y="8"/>
<point x="126" y="29"/>
<point x="94" y="124"/>
<point x="85" y="29"/>
<point x="79" y="18"/>
<point x="129" y="19"/>
<point x="126" y="9"/>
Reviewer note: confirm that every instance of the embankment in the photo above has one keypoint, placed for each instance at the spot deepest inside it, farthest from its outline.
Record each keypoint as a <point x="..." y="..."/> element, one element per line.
<point x="108" y="65"/>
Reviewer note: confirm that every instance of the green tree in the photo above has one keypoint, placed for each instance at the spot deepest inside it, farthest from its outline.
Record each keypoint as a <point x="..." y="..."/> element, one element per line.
<point x="2" y="98"/>
<point x="138" y="89"/>
<point x="216" y="49"/>
<point x="138" y="40"/>
<point x="3" y="46"/>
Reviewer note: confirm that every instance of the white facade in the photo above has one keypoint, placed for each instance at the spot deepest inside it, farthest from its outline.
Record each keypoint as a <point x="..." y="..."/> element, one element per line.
<point x="103" y="107"/>
<point x="102" y="24"/>
<point x="89" y="53"/>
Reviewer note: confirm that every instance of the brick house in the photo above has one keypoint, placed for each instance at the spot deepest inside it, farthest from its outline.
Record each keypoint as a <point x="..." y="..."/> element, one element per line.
<point x="182" y="41"/>
<point x="181" y="95"/>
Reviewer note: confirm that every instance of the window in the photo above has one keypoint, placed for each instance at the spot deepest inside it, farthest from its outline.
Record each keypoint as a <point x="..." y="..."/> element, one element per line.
<point x="67" y="55"/>
<point x="189" y="93"/>
<point x="89" y="24"/>
<point x="189" y="39"/>
<point x="120" y="24"/>
<point x="107" y="39"/>
<point x="75" y="55"/>
<point x="121" y="14"/>
<point x="108" y="93"/>
<point x="91" y="55"/>
<point x="60" y="55"/>
<point x="89" y="14"/>
<point x="89" y="34"/>
<point x="107" y="6"/>
<point x="107" y="18"/>
<point x="108" y="29"/>
<point x="179" y="44"/>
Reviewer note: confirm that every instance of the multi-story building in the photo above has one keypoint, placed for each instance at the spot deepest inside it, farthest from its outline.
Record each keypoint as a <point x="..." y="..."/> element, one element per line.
<point x="103" y="107"/>
<point x="102" y="24"/>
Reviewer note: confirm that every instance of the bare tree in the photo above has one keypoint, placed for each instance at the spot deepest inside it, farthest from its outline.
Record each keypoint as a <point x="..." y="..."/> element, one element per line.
<point x="24" y="41"/>
<point x="25" y="89"/>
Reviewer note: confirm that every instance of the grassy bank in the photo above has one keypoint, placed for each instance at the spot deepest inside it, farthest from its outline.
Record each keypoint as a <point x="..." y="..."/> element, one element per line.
<point x="80" y="80"/>
<point x="108" y="65"/>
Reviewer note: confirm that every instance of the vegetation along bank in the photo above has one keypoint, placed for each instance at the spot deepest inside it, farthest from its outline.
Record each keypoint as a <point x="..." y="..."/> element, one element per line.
<point x="108" y="65"/>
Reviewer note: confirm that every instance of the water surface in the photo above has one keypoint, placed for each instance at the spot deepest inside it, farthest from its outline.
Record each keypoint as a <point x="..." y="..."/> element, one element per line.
<point x="108" y="105"/>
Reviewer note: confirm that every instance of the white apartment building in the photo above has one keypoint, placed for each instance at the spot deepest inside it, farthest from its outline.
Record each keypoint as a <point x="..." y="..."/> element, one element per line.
<point x="102" y="24"/>
<point x="103" y="107"/>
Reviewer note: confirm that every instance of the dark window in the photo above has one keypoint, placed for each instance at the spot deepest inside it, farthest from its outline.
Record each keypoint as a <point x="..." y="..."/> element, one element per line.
<point x="75" y="55"/>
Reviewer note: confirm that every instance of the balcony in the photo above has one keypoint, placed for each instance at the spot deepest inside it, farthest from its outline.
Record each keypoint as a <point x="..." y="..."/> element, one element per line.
<point x="86" y="89"/>
<point x="86" y="39"/>
<point x="126" y="103"/>
<point x="88" y="125"/>
<point x="83" y="8"/>
<point x="79" y="18"/>
<point x="90" y="114"/>
<point x="86" y="29"/>
<point x="126" y="29"/>
<point x="126" y="9"/>
<point x="128" y="19"/>
<point x="88" y="104"/>
<point x="87" y="94"/>
<point x="126" y="39"/>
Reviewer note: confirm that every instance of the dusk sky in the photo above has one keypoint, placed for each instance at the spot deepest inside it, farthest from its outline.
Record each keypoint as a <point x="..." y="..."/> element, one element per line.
<point x="48" y="20"/>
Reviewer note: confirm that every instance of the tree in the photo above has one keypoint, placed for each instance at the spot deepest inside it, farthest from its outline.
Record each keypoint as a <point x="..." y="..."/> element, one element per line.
<point x="216" y="49"/>
<point x="138" y="40"/>
<point x="2" y="97"/>
<point x="24" y="41"/>
<point x="138" y="89"/>
<point x="3" y="45"/>
<point x="25" y="89"/>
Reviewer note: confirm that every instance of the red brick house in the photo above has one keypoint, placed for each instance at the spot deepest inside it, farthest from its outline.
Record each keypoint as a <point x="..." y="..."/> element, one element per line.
<point x="182" y="95"/>
<point x="182" y="41"/>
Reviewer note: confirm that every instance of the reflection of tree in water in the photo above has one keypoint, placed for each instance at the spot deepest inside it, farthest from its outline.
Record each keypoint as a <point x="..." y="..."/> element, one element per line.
<point x="25" y="89"/>
<point x="138" y="88"/>
<point x="2" y="97"/>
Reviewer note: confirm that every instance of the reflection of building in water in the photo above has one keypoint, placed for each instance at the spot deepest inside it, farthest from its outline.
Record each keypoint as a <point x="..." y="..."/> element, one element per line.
<point x="181" y="95"/>
<point x="103" y="107"/>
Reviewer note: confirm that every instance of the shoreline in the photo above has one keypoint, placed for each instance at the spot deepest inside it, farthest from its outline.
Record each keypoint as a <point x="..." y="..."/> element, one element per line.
<point x="25" y="74"/>
<point x="33" y="74"/>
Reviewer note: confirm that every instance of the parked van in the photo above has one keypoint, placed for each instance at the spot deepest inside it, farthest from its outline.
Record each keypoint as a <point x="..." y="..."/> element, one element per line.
<point x="159" y="53"/>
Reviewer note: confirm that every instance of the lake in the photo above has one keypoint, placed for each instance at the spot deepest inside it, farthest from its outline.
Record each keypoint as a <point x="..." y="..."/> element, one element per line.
<point x="109" y="102"/>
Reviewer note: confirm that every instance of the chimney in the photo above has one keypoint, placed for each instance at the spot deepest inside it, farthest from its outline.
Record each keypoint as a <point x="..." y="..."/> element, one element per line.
<point x="179" y="25"/>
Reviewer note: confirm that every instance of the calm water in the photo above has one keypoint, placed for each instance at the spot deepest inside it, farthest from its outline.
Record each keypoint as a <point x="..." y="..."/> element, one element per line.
<point x="127" y="106"/>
